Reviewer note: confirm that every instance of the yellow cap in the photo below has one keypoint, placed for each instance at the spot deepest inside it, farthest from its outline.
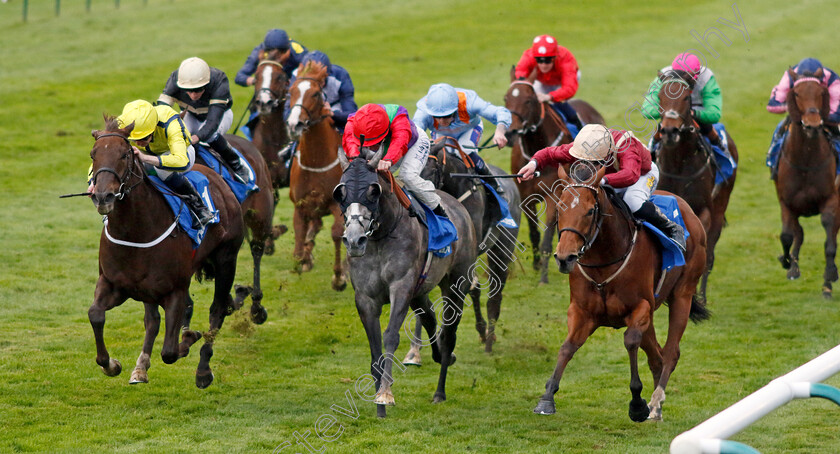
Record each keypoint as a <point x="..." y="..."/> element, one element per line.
<point x="593" y="143"/>
<point x="143" y="115"/>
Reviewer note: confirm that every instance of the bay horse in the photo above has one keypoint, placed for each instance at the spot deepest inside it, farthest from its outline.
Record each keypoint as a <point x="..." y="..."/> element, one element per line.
<point x="499" y="243"/>
<point x="152" y="264"/>
<point x="386" y="252"/>
<point x="269" y="132"/>
<point x="621" y="283"/>
<point x="315" y="168"/>
<point x="534" y="126"/>
<point x="806" y="184"/>
<point x="687" y="169"/>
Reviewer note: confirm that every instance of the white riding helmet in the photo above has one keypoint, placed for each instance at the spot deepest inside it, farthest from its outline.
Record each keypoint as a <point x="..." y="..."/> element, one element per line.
<point x="441" y="101"/>
<point x="593" y="143"/>
<point x="193" y="73"/>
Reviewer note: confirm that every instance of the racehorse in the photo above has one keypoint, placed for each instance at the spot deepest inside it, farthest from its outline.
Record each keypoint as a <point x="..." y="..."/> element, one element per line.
<point x="499" y="243"/>
<point x="805" y="185"/>
<point x="386" y="252"/>
<point x="689" y="170"/>
<point x="137" y="261"/>
<point x="269" y="132"/>
<point x="616" y="280"/>
<point x="534" y="126"/>
<point x="315" y="170"/>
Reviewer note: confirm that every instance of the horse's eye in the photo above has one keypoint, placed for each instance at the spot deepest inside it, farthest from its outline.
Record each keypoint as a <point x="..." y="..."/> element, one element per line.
<point x="590" y="212"/>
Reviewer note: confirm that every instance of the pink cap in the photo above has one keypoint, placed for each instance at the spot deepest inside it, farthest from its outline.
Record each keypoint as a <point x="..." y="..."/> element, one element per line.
<point x="688" y="62"/>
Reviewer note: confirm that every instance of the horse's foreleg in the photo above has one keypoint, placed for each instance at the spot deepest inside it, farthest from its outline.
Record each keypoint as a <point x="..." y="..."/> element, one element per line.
<point x="313" y="226"/>
<point x="581" y="326"/>
<point x="653" y="351"/>
<point x="480" y="323"/>
<point x="494" y="298"/>
<point x="105" y="298"/>
<point x="412" y="358"/>
<point x="369" y="312"/>
<point x="789" y="226"/>
<point x="399" y="292"/>
<point x="188" y="336"/>
<point x="638" y="323"/>
<point x="152" y="323"/>
<point x="174" y="306"/>
<point x="530" y="208"/>
<point x="829" y="222"/>
<point x="678" y="315"/>
<point x="545" y="246"/>
<point x="339" y="279"/>
<point x="300" y="226"/>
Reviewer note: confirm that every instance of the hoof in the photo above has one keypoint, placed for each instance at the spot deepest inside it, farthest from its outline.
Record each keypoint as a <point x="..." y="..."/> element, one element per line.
<point x="339" y="284"/>
<point x="306" y="267"/>
<point x="826" y="292"/>
<point x="793" y="274"/>
<point x="114" y="368"/>
<point x="276" y="231"/>
<point x="138" y="376"/>
<point x="241" y="292"/>
<point x="412" y="358"/>
<point x="203" y="380"/>
<point x="785" y="262"/>
<point x="438" y="398"/>
<point x="655" y="414"/>
<point x="545" y="407"/>
<point x="385" y="398"/>
<point x="258" y="314"/>
<point x="639" y="410"/>
<point x="452" y="359"/>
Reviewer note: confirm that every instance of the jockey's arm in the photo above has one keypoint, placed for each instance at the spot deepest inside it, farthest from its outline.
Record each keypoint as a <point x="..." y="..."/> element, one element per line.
<point x="650" y="105"/>
<point x="244" y="75"/>
<point x="712" y="103"/>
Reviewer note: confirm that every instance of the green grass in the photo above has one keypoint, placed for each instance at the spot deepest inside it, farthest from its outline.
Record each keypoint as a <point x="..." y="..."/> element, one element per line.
<point x="59" y="74"/>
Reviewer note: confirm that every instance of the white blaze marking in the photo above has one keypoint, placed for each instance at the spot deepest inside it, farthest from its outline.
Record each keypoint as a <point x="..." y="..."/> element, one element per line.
<point x="575" y="202"/>
<point x="294" y="112"/>
<point x="265" y="93"/>
<point x="515" y="92"/>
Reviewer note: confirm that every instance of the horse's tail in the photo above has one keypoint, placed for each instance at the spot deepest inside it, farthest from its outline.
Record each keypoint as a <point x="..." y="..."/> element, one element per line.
<point x="207" y="271"/>
<point x="698" y="312"/>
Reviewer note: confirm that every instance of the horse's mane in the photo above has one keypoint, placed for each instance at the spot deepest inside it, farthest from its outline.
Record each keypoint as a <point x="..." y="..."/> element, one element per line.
<point x="313" y="70"/>
<point x="584" y="171"/>
<point x="111" y="123"/>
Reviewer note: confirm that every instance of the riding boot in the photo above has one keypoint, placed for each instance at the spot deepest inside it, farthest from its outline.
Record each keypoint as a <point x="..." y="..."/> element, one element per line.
<point x="440" y="211"/>
<point x="482" y="169"/>
<point x="773" y="151"/>
<point x="184" y="187"/>
<point x="650" y="212"/>
<point x="221" y="145"/>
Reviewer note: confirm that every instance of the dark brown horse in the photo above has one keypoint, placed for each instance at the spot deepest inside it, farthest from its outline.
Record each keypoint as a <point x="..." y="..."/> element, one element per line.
<point x="805" y="184"/>
<point x="153" y="265"/>
<point x="688" y="170"/>
<point x="315" y="168"/>
<point x="269" y="132"/>
<point x="535" y="126"/>
<point x="616" y="280"/>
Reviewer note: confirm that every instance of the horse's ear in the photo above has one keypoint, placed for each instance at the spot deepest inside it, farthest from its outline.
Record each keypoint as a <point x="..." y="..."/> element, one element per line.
<point x="373" y="192"/>
<point x="339" y="193"/>
<point x="437" y="145"/>
<point x="819" y="74"/>
<point x="562" y="173"/>
<point x="792" y="74"/>
<point x="343" y="161"/>
<point x="512" y="73"/>
<point x="96" y="133"/>
<point x="127" y="130"/>
<point x="599" y="175"/>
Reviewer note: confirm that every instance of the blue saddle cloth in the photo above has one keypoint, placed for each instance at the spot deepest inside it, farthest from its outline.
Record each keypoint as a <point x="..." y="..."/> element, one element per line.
<point x="506" y="220"/>
<point x="778" y="141"/>
<point x="671" y="254"/>
<point x="240" y="190"/>
<point x="182" y="210"/>
<point x="725" y="163"/>
<point x="441" y="230"/>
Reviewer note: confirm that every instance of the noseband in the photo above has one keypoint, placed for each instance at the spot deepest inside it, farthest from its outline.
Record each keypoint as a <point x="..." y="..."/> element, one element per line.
<point x="123" y="190"/>
<point x="309" y="122"/>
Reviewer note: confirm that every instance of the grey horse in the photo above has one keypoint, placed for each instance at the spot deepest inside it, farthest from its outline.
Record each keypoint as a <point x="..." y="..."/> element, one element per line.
<point x="497" y="242"/>
<point x="386" y="253"/>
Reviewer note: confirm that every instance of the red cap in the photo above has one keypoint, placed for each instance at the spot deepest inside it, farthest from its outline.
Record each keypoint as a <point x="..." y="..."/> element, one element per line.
<point x="545" y="46"/>
<point x="372" y="122"/>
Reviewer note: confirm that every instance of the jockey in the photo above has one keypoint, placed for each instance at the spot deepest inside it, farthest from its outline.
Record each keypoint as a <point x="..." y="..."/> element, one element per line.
<point x="387" y="125"/>
<point x="630" y="170"/>
<point x="204" y="93"/>
<point x="706" y="100"/>
<point x="456" y="112"/>
<point x="338" y="93"/>
<point x="557" y="74"/>
<point x="161" y="141"/>
<point x="810" y="67"/>
<point x="291" y="53"/>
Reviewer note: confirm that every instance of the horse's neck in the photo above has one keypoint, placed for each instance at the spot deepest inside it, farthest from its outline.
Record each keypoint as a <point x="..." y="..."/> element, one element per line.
<point x="319" y="145"/>
<point x="136" y="217"/>
<point x="615" y="234"/>
<point x="803" y="149"/>
<point x="682" y="155"/>
<point x="390" y="211"/>
<point x="544" y="136"/>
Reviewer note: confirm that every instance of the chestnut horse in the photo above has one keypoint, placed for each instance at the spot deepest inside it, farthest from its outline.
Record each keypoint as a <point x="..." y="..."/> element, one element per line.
<point x="534" y="126"/>
<point x="806" y="184"/>
<point x="688" y="170"/>
<point x="269" y="133"/>
<point x="621" y="284"/>
<point x="140" y="258"/>
<point x="315" y="171"/>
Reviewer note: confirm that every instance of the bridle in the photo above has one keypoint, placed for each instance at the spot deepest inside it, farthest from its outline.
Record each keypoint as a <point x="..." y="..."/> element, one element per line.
<point x="123" y="190"/>
<point x="795" y="94"/>
<point x="527" y="128"/>
<point x="309" y="122"/>
<point x="687" y="124"/>
<point x="277" y="99"/>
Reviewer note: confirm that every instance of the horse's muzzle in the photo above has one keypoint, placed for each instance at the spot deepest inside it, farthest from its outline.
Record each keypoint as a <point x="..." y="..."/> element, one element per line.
<point x="566" y="264"/>
<point x="104" y="202"/>
<point x="670" y="136"/>
<point x="355" y="240"/>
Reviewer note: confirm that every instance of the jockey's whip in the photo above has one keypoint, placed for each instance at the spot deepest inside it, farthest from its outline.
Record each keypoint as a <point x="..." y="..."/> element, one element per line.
<point x="247" y="109"/>
<point x="473" y="175"/>
<point x="87" y="194"/>
<point x="483" y="147"/>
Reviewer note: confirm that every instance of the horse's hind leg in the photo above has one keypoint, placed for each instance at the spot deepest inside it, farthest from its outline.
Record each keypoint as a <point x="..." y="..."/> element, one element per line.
<point x="225" y="264"/>
<point x="581" y="326"/>
<point x="829" y="222"/>
<point x="339" y="280"/>
<point x="545" y="246"/>
<point x="653" y="351"/>
<point x="480" y="323"/>
<point x="173" y="307"/>
<point x="188" y="336"/>
<point x="258" y="312"/>
<point x="530" y="211"/>
<point x="639" y="323"/>
<point x="152" y="322"/>
<point x="423" y="318"/>
<point x="105" y="298"/>
<point x="499" y="272"/>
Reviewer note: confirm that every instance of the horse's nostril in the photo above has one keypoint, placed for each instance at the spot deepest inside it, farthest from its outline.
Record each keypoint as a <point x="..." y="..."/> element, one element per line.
<point x="363" y="241"/>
